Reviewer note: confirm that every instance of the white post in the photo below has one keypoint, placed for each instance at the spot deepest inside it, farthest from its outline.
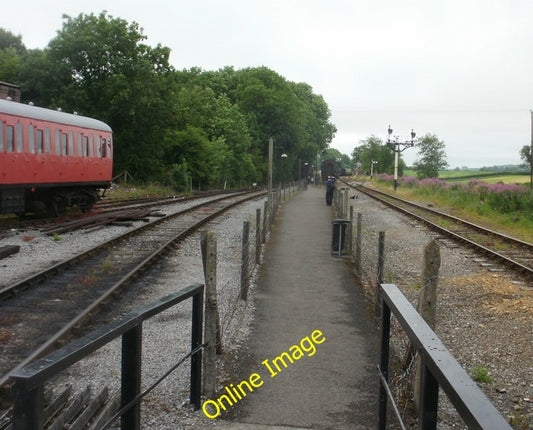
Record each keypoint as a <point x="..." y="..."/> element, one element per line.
<point x="396" y="151"/>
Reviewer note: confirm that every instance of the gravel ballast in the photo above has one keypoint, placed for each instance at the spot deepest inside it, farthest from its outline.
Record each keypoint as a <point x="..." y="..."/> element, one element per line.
<point x="483" y="316"/>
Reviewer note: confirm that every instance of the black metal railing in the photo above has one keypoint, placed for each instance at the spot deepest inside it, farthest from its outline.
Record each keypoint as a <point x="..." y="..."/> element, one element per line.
<point x="439" y="369"/>
<point x="28" y="382"/>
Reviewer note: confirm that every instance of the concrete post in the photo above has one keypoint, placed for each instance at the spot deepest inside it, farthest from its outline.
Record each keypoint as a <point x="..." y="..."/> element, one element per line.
<point x="212" y="320"/>
<point x="245" y="259"/>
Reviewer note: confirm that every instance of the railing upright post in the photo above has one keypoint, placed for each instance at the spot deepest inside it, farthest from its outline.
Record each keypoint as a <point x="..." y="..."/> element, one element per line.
<point x="384" y="364"/>
<point x="131" y="377"/>
<point x="196" y="341"/>
<point x="28" y="406"/>
<point x="429" y="399"/>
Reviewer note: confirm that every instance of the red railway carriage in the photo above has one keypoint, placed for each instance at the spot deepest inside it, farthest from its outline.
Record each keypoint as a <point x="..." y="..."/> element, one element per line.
<point x="51" y="159"/>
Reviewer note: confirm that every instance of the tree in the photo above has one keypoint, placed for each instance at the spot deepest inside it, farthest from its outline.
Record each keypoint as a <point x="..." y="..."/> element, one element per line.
<point x="525" y="155"/>
<point x="170" y="126"/>
<point x="295" y="118"/>
<point x="11" y="50"/>
<point x="373" y="150"/>
<point x="103" y="70"/>
<point x="9" y="41"/>
<point x="431" y="157"/>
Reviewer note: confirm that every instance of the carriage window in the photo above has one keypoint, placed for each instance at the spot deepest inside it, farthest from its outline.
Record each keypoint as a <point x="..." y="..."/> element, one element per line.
<point x="46" y="141"/>
<point x="85" y="146"/>
<point x="71" y="143"/>
<point x="103" y="147"/>
<point x="80" y="151"/>
<point x="91" y="145"/>
<point x="98" y="146"/>
<point x="31" y="139"/>
<point x="1" y="135"/>
<point x="58" y="142"/>
<point x="39" y="141"/>
<point x="20" y="146"/>
<point x="64" y="142"/>
<point x="10" y="138"/>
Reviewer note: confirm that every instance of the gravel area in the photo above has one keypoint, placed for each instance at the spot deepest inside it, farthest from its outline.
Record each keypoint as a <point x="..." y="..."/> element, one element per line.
<point x="166" y="337"/>
<point x="483" y="317"/>
<point x="484" y="313"/>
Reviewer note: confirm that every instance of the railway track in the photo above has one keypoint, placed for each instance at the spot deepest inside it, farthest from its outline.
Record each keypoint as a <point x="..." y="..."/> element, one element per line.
<point x="512" y="252"/>
<point x="68" y="294"/>
<point x="103" y="212"/>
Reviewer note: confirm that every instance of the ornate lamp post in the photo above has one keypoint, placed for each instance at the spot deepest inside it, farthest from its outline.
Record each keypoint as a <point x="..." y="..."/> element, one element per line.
<point x="398" y="147"/>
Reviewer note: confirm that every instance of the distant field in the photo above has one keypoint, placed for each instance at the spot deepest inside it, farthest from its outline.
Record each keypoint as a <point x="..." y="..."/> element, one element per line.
<point x="490" y="178"/>
<point x="507" y="179"/>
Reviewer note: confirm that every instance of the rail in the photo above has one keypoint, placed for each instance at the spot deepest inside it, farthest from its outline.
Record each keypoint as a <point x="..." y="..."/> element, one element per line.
<point x="28" y="382"/>
<point x="439" y="369"/>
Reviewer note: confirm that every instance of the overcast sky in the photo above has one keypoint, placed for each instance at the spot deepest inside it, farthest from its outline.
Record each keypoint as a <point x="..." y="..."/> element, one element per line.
<point x="460" y="69"/>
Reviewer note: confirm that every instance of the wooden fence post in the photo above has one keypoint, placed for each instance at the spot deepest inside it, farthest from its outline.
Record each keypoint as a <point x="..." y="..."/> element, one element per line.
<point x="381" y="271"/>
<point x="212" y="320"/>
<point x="427" y="300"/>
<point x="381" y="256"/>
<point x="345" y="203"/>
<point x="358" y="244"/>
<point x="265" y="221"/>
<point x="350" y="232"/>
<point x="257" y="235"/>
<point x="245" y="259"/>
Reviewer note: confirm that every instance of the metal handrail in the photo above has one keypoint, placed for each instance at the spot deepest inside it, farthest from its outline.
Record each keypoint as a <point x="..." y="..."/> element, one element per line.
<point x="28" y="382"/>
<point x="439" y="369"/>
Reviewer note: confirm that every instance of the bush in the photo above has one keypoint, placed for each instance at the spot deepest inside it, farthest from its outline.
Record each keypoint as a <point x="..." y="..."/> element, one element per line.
<point x="180" y="177"/>
<point x="481" y="374"/>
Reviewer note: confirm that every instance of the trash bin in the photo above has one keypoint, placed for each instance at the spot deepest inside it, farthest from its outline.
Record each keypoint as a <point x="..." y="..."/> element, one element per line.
<point x="339" y="236"/>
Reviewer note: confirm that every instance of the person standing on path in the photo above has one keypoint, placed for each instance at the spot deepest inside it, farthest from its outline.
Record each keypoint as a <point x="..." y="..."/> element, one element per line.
<point x="330" y="188"/>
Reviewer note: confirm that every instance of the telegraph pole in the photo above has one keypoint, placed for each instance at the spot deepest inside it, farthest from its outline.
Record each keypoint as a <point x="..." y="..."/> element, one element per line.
<point x="270" y="171"/>
<point x="531" y="154"/>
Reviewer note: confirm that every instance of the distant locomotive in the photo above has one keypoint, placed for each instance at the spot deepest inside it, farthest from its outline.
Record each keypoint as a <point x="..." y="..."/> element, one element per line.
<point x="330" y="168"/>
<point x="51" y="159"/>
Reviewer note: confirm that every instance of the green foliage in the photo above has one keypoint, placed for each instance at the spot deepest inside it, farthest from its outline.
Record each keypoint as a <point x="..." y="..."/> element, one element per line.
<point x="180" y="177"/>
<point x="9" y="41"/>
<point x="431" y="157"/>
<point x="334" y="154"/>
<point x="374" y="150"/>
<point x="11" y="50"/>
<point x="171" y="127"/>
<point x="9" y="65"/>
<point x="481" y="374"/>
<point x="525" y="155"/>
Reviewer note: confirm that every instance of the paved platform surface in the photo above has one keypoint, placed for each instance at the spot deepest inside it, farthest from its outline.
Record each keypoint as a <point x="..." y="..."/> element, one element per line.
<point x="303" y="288"/>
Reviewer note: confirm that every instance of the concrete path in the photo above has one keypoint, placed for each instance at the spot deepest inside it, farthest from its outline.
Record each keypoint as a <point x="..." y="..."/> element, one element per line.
<point x="308" y="298"/>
